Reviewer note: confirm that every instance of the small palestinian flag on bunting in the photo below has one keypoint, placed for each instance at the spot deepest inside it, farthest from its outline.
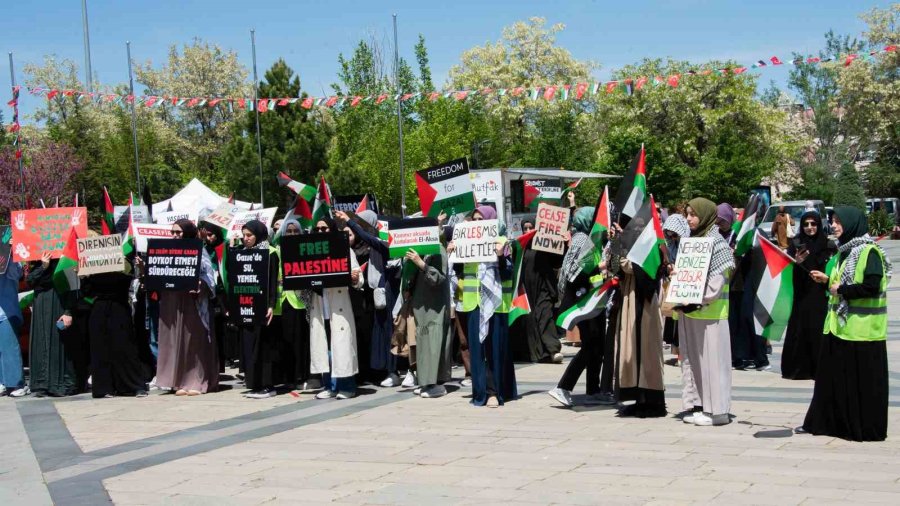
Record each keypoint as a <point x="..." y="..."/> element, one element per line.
<point x="773" y="283"/>
<point x="520" y="304"/>
<point x="644" y="250"/>
<point x="107" y="213"/>
<point x="65" y="277"/>
<point x="304" y="190"/>
<point x="589" y="306"/>
<point x="632" y="192"/>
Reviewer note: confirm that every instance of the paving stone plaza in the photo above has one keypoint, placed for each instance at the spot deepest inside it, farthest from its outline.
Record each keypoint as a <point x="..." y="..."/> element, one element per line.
<point x="387" y="446"/>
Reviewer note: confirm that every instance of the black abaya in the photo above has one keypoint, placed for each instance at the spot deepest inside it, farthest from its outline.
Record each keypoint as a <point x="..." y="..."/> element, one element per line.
<point x="539" y="279"/>
<point x="804" y="333"/>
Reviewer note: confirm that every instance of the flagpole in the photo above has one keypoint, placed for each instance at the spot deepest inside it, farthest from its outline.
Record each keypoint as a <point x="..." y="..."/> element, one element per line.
<point x="137" y="163"/>
<point x="89" y="79"/>
<point x="399" y="122"/>
<point x="256" y="109"/>
<point x="12" y="79"/>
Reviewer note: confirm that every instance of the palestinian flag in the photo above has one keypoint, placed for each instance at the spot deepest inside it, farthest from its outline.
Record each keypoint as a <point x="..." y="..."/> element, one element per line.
<point x="323" y="204"/>
<point x="221" y="254"/>
<point x="602" y="220"/>
<point x="632" y="192"/>
<point x="65" y="278"/>
<point x="383" y="230"/>
<point x="363" y="204"/>
<point x="305" y="191"/>
<point x="642" y="238"/>
<point x="301" y="212"/>
<point x="446" y="187"/>
<point x="128" y="246"/>
<point x="537" y="191"/>
<point x="773" y="283"/>
<point x="26" y="299"/>
<point x="520" y="304"/>
<point x="107" y="212"/>
<point x="746" y="227"/>
<point x="147" y="200"/>
<point x="589" y="306"/>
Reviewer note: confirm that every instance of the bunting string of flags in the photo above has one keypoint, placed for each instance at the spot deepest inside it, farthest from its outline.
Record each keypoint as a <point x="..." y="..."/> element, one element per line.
<point x="15" y="127"/>
<point x="560" y="92"/>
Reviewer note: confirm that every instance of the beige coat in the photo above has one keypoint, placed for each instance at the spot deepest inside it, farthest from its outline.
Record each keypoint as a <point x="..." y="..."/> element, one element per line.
<point x="644" y="370"/>
<point x="343" y="330"/>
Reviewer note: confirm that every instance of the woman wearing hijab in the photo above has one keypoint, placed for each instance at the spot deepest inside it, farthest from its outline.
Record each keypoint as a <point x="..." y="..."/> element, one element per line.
<point x="573" y="283"/>
<point x="812" y="250"/>
<point x="117" y="367"/>
<point x="259" y="346"/>
<point x="850" y="399"/>
<point x="704" y="333"/>
<point x="333" y="331"/>
<point x="724" y="221"/>
<point x="227" y="347"/>
<point x="487" y="298"/>
<point x="780" y="229"/>
<point x="290" y="322"/>
<point x="363" y="300"/>
<point x="187" y="350"/>
<point x="539" y="277"/>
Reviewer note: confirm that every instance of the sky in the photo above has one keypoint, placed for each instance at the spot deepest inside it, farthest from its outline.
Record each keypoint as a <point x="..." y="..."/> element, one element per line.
<point x="310" y="34"/>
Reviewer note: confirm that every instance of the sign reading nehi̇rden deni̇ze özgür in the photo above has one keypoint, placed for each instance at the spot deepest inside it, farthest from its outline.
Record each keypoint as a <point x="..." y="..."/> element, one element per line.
<point x="475" y="242"/>
<point x="173" y="264"/>
<point x="418" y="234"/>
<point x="688" y="280"/>
<point x="248" y="285"/>
<point x="446" y="187"/>
<point x="315" y="261"/>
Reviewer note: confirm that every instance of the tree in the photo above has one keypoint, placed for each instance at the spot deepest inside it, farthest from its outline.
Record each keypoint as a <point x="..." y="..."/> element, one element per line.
<point x="293" y="140"/>
<point x="848" y="189"/>
<point x="50" y="169"/>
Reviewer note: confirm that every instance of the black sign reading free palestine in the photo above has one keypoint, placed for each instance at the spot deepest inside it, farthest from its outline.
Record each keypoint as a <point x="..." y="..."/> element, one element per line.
<point x="248" y="285"/>
<point x="315" y="261"/>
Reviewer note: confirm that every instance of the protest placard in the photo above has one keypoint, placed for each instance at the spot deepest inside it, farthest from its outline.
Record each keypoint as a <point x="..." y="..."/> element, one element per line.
<point x="266" y="216"/>
<point x="350" y="203"/>
<point x="537" y="191"/>
<point x="173" y="264"/>
<point x="140" y="214"/>
<point x="475" y="241"/>
<point x="5" y="254"/>
<point x="419" y="234"/>
<point x="552" y="224"/>
<point x="144" y="231"/>
<point x="688" y="280"/>
<point x="37" y="230"/>
<point x="248" y="285"/>
<point x="446" y="187"/>
<point x="315" y="261"/>
<point x="100" y="254"/>
<point x="222" y="215"/>
<point x="170" y="217"/>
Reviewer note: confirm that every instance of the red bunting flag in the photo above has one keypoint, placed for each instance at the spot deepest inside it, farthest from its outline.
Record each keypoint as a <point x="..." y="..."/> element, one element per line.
<point x="580" y="88"/>
<point x="775" y="60"/>
<point x="307" y="103"/>
<point x="611" y="86"/>
<point x="549" y="93"/>
<point x="673" y="80"/>
<point x="262" y="105"/>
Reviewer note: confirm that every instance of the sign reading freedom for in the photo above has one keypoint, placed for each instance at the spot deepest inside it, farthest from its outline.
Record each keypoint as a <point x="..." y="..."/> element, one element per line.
<point x="315" y="261"/>
<point x="688" y="281"/>
<point x="97" y="255"/>
<point x="419" y="234"/>
<point x="446" y="187"/>
<point x="248" y="285"/>
<point x="173" y="264"/>
<point x="37" y="230"/>
<point x="475" y="241"/>
<point x="551" y="225"/>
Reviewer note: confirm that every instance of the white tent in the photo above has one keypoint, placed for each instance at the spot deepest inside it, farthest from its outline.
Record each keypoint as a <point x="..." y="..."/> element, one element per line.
<point x="195" y="197"/>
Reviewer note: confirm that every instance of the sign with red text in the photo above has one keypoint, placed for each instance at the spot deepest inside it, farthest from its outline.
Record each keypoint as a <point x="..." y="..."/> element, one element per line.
<point x="37" y="230"/>
<point x="170" y="217"/>
<point x="248" y="285"/>
<point x="475" y="242"/>
<point x="419" y="234"/>
<point x="100" y="254"/>
<point x="173" y="264"/>
<point x="552" y="227"/>
<point x="222" y="215"/>
<point x="688" y="281"/>
<point x="315" y="261"/>
<point x="144" y="231"/>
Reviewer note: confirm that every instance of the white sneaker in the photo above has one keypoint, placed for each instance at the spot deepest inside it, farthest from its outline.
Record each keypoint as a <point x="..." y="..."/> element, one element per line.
<point x="410" y="380"/>
<point x="466" y="382"/>
<point x="557" y="358"/>
<point x="90" y="381"/>
<point x="701" y="420"/>
<point x="326" y="394"/>
<point x="153" y="385"/>
<point x="20" y="392"/>
<point x="562" y="396"/>
<point x="2" y="390"/>
<point x="434" y="391"/>
<point x="391" y="381"/>
<point x="417" y="391"/>
<point x="346" y="395"/>
<point x="262" y="394"/>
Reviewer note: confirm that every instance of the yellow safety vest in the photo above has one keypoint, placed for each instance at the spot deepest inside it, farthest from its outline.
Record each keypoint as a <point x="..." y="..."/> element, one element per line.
<point x="866" y="318"/>
<point x="471" y="287"/>
<point x="717" y="309"/>
<point x="291" y="296"/>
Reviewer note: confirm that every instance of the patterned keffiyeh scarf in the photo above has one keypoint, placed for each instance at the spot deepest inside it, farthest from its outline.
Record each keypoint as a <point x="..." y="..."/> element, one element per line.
<point x="855" y="247"/>
<point x="491" y="293"/>
<point x="722" y="256"/>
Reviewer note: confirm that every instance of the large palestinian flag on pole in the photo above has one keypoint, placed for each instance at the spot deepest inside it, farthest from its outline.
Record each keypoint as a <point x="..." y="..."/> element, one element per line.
<point x="745" y="229"/>
<point x="107" y="212"/>
<point x="305" y="191"/>
<point x="520" y="304"/>
<point x="602" y="221"/>
<point x="446" y="187"/>
<point x="773" y="283"/>
<point x="65" y="278"/>
<point x="632" y="192"/>
<point x="322" y="206"/>
<point x="642" y="238"/>
<point x="587" y="307"/>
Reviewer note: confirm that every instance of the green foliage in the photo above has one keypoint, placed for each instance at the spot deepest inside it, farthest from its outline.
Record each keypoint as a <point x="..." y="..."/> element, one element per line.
<point x="880" y="223"/>
<point x="848" y="189"/>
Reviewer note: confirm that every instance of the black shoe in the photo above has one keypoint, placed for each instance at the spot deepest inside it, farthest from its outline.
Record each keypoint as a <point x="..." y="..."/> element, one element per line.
<point x="632" y="410"/>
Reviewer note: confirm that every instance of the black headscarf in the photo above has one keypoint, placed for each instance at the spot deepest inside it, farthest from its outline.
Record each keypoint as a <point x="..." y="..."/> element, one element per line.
<point x="332" y="226"/>
<point x="812" y="243"/>
<point x="258" y="229"/>
<point x="213" y="229"/>
<point x="188" y="229"/>
<point x="853" y="222"/>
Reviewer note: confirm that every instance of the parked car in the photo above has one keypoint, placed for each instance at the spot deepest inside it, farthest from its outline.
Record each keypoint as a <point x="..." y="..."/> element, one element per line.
<point x="889" y="204"/>
<point x="795" y="208"/>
